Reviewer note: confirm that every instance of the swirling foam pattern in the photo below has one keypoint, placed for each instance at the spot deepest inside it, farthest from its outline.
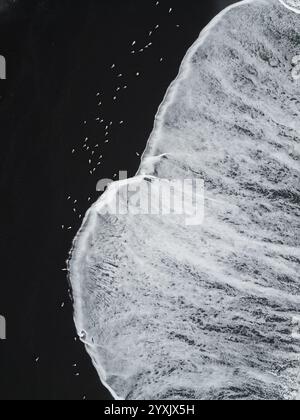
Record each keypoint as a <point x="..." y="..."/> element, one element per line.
<point x="293" y="5"/>
<point x="169" y="311"/>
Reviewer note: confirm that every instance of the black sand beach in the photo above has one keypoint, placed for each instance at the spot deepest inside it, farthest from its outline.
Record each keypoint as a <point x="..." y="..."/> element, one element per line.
<point x="60" y="54"/>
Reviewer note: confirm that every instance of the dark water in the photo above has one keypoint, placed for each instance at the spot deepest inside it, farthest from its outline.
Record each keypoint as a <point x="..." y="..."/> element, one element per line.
<point x="59" y="55"/>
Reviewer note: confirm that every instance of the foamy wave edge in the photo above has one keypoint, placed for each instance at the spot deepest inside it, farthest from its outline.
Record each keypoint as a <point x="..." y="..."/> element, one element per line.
<point x="78" y="245"/>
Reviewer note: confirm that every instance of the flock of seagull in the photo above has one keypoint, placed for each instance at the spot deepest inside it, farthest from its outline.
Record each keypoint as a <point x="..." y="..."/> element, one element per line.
<point x="95" y="154"/>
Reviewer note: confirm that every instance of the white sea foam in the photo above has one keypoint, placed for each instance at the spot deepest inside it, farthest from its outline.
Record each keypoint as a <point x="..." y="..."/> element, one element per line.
<point x="169" y="311"/>
<point x="293" y="5"/>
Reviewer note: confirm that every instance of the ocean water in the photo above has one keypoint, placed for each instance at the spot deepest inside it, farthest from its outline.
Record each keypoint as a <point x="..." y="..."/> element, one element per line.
<point x="207" y="312"/>
<point x="293" y="5"/>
